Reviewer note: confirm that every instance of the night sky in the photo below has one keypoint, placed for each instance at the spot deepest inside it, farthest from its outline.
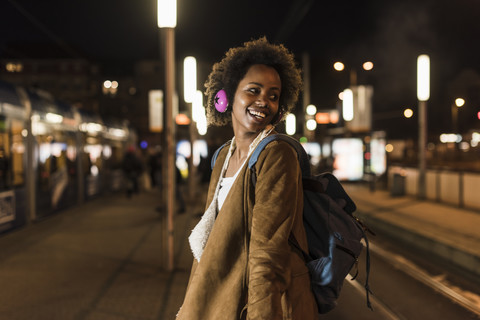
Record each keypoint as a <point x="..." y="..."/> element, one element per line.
<point x="390" y="33"/>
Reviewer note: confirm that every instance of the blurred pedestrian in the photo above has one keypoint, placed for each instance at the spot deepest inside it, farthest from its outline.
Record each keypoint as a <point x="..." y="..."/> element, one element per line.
<point x="244" y="266"/>
<point x="132" y="168"/>
<point x="155" y="166"/>
<point x="181" y="206"/>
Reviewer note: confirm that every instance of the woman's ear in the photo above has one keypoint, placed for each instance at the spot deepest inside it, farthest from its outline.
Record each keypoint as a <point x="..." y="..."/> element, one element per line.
<point x="278" y="117"/>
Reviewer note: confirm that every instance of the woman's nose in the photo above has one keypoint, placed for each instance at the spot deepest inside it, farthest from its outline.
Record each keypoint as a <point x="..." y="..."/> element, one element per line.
<point x="262" y="100"/>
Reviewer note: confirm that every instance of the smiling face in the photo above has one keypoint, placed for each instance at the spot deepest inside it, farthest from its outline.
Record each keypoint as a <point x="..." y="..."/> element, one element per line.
<point x="256" y="100"/>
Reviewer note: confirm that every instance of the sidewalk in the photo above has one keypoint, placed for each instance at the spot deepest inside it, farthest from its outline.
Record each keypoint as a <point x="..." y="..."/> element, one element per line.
<point x="103" y="260"/>
<point x="451" y="233"/>
<point x="100" y="260"/>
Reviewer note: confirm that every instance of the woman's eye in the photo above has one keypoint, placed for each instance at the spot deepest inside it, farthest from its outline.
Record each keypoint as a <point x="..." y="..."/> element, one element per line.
<point x="253" y="90"/>
<point x="274" y="97"/>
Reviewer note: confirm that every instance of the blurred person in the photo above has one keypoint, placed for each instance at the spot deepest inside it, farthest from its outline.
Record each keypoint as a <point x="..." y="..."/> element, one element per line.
<point x="244" y="266"/>
<point x="132" y="168"/>
<point x="155" y="166"/>
<point x="179" y="188"/>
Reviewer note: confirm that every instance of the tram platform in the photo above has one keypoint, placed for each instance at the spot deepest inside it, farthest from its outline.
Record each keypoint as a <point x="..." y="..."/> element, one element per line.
<point x="448" y="233"/>
<point x="103" y="259"/>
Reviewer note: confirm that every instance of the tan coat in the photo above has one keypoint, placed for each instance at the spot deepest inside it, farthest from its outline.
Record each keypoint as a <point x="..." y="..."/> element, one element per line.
<point x="254" y="263"/>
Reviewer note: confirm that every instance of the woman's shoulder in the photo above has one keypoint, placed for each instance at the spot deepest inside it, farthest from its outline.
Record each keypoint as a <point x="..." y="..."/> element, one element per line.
<point x="276" y="152"/>
<point x="280" y="148"/>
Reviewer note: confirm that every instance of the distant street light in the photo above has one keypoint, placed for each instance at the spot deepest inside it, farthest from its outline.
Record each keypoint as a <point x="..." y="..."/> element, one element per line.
<point x="110" y="87"/>
<point x="408" y="113"/>
<point x="311" y="124"/>
<point x="340" y="66"/>
<point x="311" y="110"/>
<point x="367" y="66"/>
<point x="459" y="102"/>
<point x="167" y="19"/>
<point x="423" y="94"/>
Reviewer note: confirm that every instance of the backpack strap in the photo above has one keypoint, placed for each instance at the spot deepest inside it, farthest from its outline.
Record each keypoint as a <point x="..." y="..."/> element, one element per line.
<point x="302" y="155"/>
<point x="215" y="155"/>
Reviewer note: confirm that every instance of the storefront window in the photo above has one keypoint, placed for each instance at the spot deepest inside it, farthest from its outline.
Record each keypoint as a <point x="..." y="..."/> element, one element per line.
<point x="12" y="151"/>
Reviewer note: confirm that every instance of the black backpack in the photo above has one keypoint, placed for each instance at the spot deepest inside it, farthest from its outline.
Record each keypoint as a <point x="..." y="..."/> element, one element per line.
<point x="333" y="234"/>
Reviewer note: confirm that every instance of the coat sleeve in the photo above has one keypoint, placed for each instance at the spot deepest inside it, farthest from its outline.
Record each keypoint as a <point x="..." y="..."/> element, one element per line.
<point x="276" y="204"/>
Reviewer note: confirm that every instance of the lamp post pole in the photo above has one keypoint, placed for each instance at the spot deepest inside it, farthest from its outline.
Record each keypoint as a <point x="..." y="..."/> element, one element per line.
<point x="459" y="102"/>
<point x="423" y="94"/>
<point x="170" y="139"/>
<point x="422" y="145"/>
<point x="167" y="19"/>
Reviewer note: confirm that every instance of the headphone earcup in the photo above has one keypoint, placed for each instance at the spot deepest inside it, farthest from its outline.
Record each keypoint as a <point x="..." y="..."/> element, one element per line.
<point x="221" y="101"/>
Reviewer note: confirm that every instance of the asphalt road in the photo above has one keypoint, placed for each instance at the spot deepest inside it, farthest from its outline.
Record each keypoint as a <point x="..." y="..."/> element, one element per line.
<point x="405" y="285"/>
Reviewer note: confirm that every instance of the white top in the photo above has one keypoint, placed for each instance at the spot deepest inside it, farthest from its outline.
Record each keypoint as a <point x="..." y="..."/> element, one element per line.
<point x="226" y="184"/>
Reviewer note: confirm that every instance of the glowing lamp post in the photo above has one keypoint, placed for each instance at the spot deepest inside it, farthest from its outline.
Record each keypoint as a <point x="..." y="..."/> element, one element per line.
<point x="167" y="20"/>
<point x="347" y="105"/>
<point x="189" y="78"/>
<point x="291" y="124"/>
<point x="459" y="102"/>
<point x="423" y="94"/>
<point x="189" y="93"/>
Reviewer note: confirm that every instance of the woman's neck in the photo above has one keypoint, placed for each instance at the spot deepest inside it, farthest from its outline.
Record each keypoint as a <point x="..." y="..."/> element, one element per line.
<point x="242" y="144"/>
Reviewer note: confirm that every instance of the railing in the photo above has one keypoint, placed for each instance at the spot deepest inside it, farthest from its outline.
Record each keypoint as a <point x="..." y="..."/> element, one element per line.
<point x="456" y="188"/>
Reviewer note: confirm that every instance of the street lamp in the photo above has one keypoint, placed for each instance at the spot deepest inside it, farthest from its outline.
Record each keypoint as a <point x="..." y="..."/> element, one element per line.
<point x="459" y="102"/>
<point x="356" y="100"/>
<point x="423" y="94"/>
<point x="167" y="20"/>
<point x="339" y="66"/>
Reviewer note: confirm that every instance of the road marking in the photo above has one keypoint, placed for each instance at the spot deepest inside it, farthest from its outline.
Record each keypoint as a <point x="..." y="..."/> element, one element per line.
<point x="419" y="274"/>
<point x="376" y="303"/>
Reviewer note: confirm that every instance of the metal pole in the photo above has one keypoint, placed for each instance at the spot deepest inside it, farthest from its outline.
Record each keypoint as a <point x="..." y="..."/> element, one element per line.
<point x="30" y="158"/>
<point x="170" y="140"/>
<point x="422" y="146"/>
<point x="192" y="173"/>
<point x="353" y="78"/>
<point x="454" y="118"/>
<point x="306" y="92"/>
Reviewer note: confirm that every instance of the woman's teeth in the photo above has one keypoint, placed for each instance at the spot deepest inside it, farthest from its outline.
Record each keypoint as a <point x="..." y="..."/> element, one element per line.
<point x="257" y="114"/>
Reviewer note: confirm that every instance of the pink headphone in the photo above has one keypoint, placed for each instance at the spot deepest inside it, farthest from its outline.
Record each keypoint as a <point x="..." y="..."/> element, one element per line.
<point x="221" y="101"/>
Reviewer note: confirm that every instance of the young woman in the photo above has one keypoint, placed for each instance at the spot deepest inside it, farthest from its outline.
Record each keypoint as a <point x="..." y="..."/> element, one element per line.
<point x="244" y="266"/>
